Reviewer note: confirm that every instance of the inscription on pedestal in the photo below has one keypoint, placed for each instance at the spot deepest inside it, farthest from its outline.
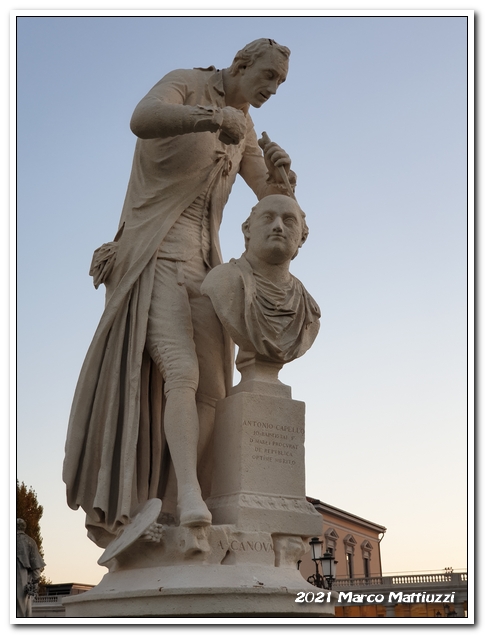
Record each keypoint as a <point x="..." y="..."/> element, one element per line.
<point x="274" y="442"/>
<point x="259" y="446"/>
<point x="247" y="545"/>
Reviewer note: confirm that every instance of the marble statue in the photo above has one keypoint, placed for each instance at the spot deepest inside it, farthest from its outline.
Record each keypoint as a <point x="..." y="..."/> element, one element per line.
<point x="245" y="563"/>
<point x="142" y="417"/>
<point x="264" y="308"/>
<point x="195" y="488"/>
<point x="29" y="568"/>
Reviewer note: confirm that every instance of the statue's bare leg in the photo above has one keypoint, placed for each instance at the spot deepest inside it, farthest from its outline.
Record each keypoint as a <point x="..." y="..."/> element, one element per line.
<point x="209" y="341"/>
<point x="206" y="414"/>
<point x="181" y="424"/>
<point x="169" y="509"/>
<point x="184" y="338"/>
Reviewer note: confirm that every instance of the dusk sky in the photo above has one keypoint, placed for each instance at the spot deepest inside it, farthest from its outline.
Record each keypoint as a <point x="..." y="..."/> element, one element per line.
<point x="374" y="117"/>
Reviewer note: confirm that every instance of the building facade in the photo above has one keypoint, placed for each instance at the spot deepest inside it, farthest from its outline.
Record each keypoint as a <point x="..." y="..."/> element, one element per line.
<point x="353" y="541"/>
<point x="362" y="589"/>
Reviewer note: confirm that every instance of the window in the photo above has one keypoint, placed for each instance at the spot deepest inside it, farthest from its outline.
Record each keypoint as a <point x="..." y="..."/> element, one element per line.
<point x="366" y="554"/>
<point x="350" y="542"/>
<point x="350" y="565"/>
<point x="331" y="537"/>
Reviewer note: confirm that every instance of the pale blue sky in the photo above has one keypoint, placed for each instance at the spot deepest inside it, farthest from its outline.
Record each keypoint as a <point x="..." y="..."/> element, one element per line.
<point x="373" y="114"/>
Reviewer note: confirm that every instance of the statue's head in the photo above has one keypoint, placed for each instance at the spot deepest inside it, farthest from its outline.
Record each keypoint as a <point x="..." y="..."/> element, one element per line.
<point x="275" y="229"/>
<point x="21" y="524"/>
<point x="260" y="68"/>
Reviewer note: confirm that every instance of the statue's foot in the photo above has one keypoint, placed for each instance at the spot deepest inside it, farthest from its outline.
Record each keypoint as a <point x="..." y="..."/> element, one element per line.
<point x="193" y="512"/>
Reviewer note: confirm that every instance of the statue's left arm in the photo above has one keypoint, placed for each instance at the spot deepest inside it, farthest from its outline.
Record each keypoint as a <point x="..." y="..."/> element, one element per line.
<point x="260" y="172"/>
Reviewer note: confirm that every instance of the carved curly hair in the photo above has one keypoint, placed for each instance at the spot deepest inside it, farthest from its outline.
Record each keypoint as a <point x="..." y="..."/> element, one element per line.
<point x="250" y="53"/>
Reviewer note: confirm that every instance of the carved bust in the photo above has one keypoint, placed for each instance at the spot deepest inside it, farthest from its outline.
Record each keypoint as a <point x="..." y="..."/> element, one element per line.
<point x="264" y="308"/>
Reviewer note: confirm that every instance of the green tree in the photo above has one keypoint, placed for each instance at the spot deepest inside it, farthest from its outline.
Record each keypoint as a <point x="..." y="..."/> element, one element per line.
<point x="30" y="511"/>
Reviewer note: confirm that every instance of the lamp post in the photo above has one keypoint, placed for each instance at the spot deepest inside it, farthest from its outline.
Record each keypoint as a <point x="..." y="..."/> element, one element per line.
<point x="327" y="564"/>
<point x="328" y="567"/>
<point x="316" y="579"/>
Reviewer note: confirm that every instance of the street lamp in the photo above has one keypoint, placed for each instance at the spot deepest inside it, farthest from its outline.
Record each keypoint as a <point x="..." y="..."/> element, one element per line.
<point x="316" y="579"/>
<point x="327" y="564"/>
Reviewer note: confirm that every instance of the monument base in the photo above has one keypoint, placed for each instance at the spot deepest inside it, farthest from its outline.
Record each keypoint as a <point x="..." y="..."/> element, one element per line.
<point x="246" y="563"/>
<point x="201" y="571"/>
<point x="202" y="591"/>
<point x="259" y="464"/>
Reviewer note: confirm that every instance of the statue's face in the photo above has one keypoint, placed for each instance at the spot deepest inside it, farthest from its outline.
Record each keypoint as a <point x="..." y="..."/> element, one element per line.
<point x="262" y="79"/>
<point x="275" y="230"/>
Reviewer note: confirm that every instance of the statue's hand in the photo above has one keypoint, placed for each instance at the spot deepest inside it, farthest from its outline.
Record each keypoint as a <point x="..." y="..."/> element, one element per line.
<point x="275" y="157"/>
<point x="233" y="126"/>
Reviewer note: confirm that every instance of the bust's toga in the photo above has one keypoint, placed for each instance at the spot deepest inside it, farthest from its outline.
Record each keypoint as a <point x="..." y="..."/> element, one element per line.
<point x="277" y="324"/>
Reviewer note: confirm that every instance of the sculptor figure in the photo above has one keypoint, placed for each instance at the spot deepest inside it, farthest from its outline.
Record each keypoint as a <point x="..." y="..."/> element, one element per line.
<point x="29" y="568"/>
<point x="143" y="411"/>
<point x="264" y="308"/>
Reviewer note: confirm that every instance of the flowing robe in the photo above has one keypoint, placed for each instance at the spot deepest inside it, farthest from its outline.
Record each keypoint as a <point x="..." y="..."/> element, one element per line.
<point x="116" y="454"/>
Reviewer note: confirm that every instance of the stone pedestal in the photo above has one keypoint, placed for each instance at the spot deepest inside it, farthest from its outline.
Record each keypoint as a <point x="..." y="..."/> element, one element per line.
<point x="200" y="591"/>
<point x="246" y="563"/>
<point x="215" y="571"/>
<point x="259" y="466"/>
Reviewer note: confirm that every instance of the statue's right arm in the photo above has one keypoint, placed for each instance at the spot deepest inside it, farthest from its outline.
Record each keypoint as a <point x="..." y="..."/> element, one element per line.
<point x="163" y="113"/>
<point x="154" y="119"/>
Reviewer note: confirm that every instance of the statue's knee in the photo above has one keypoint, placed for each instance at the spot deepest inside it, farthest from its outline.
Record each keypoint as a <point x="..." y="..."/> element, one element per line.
<point x="181" y="385"/>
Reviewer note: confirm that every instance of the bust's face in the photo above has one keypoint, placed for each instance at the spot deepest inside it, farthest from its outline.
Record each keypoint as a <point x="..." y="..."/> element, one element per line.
<point x="275" y="230"/>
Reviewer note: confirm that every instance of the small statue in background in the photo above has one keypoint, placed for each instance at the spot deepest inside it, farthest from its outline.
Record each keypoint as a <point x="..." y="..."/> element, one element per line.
<point x="29" y="568"/>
